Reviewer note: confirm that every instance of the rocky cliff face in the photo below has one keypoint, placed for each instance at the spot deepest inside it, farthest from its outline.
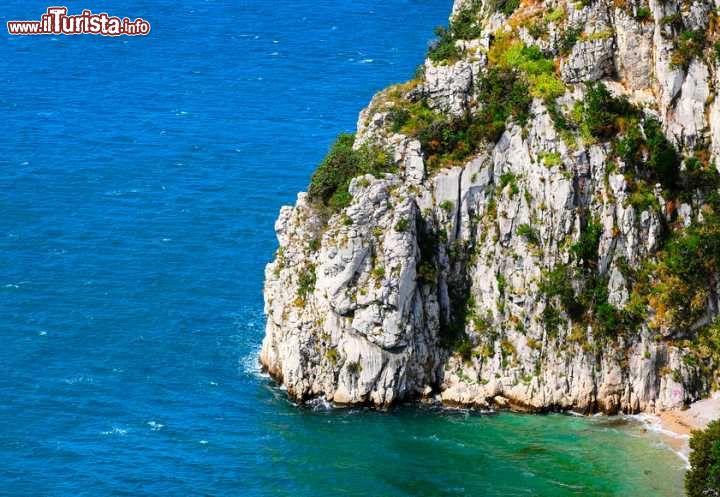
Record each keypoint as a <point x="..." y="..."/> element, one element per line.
<point x="531" y="222"/>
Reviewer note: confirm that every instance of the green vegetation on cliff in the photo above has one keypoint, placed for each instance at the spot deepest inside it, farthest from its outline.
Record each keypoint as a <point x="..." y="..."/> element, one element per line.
<point x="331" y="179"/>
<point x="464" y="26"/>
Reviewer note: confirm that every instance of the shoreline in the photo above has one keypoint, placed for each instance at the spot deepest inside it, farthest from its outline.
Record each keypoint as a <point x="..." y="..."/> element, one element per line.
<point x="695" y="417"/>
<point x="677" y="426"/>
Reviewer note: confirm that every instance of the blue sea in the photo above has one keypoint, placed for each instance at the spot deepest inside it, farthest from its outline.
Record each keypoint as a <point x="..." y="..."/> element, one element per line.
<point x="139" y="182"/>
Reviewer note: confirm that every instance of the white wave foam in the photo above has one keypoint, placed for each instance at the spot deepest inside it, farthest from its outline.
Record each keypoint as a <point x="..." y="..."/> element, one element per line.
<point x="115" y="431"/>
<point x="320" y="404"/>
<point x="155" y="426"/>
<point x="77" y="380"/>
<point x="654" y="424"/>
<point x="251" y="363"/>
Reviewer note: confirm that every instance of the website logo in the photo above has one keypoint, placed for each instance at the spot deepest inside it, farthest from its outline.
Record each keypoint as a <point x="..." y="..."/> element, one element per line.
<point x="56" y="21"/>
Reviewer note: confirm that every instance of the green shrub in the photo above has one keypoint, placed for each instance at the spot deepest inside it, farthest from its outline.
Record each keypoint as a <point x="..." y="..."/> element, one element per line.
<point x="589" y="306"/>
<point x="555" y="15"/>
<point x="504" y="96"/>
<point x="443" y="48"/>
<point x="631" y="146"/>
<point x="402" y="225"/>
<point x="464" y="348"/>
<point x="700" y="174"/>
<point x="705" y="347"/>
<point x="306" y="282"/>
<point x="688" y="45"/>
<point x="354" y="368"/>
<point x="599" y="35"/>
<point x="514" y="188"/>
<point x="448" y="140"/>
<point x="568" y="39"/>
<point x="703" y="478"/>
<point x="447" y="206"/>
<point x="517" y="73"/>
<point x="642" y="197"/>
<point x="672" y="20"/>
<point x="563" y="125"/>
<point x="608" y="317"/>
<point x="551" y="159"/>
<point x="552" y="319"/>
<point x="677" y="287"/>
<point x="557" y="283"/>
<point x="585" y="250"/>
<point x="332" y="356"/>
<point x="644" y="147"/>
<point x="502" y="283"/>
<point x="397" y="117"/>
<point x="643" y="14"/>
<point x="464" y="26"/>
<point x="663" y="158"/>
<point x="538" y="29"/>
<point x="427" y="272"/>
<point x="507" y="178"/>
<point x="445" y="138"/>
<point x="511" y="54"/>
<point x="600" y="111"/>
<point x="330" y="182"/>
<point x="546" y="86"/>
<point x="529" y="233"/>
<point x="640" y="141"/>
<point x="507" y="7"/>
<point x="314" y="245"/>
<point x="428" y="243"/>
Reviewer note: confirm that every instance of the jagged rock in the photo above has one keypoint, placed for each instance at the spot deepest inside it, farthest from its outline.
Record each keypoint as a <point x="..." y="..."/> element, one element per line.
<point x="589" y="61"/>
<point x="686" y="121"/>
<point x="634" y="55"/>
<point x="448" y="87"/>
<point x="408" y="154"/>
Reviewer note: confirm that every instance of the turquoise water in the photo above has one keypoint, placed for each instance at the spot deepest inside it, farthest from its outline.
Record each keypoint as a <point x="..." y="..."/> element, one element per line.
<point x="139" y="183"/>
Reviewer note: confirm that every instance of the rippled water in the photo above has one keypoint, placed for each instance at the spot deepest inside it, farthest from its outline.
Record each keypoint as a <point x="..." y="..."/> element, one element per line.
<point x="139" y="182"/>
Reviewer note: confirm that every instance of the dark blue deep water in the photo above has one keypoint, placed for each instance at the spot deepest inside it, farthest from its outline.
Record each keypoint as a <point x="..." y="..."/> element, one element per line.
<point x="139" y="182"/>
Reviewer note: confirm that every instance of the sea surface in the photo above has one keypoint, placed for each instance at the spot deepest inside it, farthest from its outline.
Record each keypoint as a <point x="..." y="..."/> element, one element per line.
<point x="139" y="182"/>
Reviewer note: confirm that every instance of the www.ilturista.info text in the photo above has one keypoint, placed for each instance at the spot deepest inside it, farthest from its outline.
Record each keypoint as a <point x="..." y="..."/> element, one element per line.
<point x="56" y="21"/>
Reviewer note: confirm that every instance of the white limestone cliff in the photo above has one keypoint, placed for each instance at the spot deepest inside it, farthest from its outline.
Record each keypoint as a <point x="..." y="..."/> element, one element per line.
<point x="358" y="302"/>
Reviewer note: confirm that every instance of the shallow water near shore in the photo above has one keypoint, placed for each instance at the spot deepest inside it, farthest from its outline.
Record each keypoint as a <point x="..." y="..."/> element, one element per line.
<point x="139" y="183"/>
<point x="422" y="451"/>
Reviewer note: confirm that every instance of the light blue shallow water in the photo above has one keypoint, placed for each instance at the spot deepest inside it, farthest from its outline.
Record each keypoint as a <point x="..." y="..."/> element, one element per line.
<point x="139" y="182"/>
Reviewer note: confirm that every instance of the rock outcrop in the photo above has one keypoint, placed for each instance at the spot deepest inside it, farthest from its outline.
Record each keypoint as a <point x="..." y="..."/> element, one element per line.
<point x="523" y="263"/>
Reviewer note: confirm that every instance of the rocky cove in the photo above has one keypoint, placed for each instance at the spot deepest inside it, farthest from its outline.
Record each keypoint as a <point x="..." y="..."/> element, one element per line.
<point x="531" y="222"/>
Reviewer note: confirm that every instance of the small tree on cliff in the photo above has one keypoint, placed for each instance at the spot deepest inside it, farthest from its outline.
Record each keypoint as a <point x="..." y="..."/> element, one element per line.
<point x="703" y="479"/>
